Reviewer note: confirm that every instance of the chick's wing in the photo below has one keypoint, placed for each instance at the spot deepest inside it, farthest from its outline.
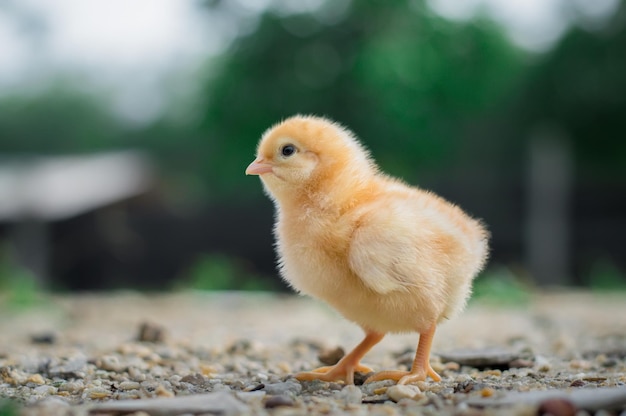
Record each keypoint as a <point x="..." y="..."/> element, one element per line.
<point x="394" y="251"/>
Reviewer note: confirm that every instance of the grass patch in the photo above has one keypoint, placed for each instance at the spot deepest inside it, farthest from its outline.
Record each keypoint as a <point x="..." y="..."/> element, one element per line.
<point x="500" y="286"/>
<point x="605" y="276"/>
<point x="216" y="272"/>
<point x="8" y="408"/>
<point x="19" y="288"/>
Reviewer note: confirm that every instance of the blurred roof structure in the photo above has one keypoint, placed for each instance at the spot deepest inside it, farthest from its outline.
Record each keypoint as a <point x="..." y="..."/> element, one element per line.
<point x="58" y="187"/>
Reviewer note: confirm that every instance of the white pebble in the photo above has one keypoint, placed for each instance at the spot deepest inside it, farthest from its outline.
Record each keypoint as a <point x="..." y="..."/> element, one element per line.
<point x="44" y="390"/>
<point x="96" y="393"/>
<point x="399" y="392"/>
<point x="129" y="385"/>
<point x="350" y="394"/>
<point x="542" y="363"/>
<point x="175" y="380"/>
<point x="136" y="374"/>
<point x="110" y="363"/>
<point x="251" y="397"/>
<point x="72" y="386"/>
<point x="371" y="387"/>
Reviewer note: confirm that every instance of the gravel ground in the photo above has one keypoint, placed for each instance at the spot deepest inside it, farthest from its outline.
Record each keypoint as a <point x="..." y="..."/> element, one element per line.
<point x="232" y="353"/>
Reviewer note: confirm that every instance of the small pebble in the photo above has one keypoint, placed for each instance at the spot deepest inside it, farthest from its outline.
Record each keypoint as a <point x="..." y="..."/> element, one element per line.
<point x="335" y="386"/>
<point x="162" y="391"/>
<point x="331" y="356"/>
<point x="12" y="377"/>
<point x="521" y="363"/>
<point x="44" y="390"/>
<point x="542" y="364"/>
<point x="452" y="366"/>
<point x="399" y="392"/>
<point x="136" y="374"/>
<point x="580" y="364"/>
<point x="487" y="392"/>
<point x="350" y="394"/>
<point x="129" y="385"/>
<point x="36" y="378"/>
<point x="257" y="387"/>
<point x="110" y="363"/>
<point x="175" y="380"/>
<point x="480" y="358"/>
<point x="72" y="387"/>
<point x="195" y="379"/>
<point x="288" y="387"/>
<point x="97" y="393"/>
<point x="150" y="332"/>
<point x="43" y="338"/>
<point x="370" y="388"/>
<point x="557" y="407"/>
<point x="251" y="397"/>
<point x="284" y="367"/>
<point x="278" y="401"/>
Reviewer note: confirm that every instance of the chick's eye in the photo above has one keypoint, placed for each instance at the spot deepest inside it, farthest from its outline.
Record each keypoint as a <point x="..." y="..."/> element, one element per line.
<point x="288" y="150"/>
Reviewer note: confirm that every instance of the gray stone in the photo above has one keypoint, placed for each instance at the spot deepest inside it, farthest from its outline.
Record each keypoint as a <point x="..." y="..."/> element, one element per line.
<point x="218" y="403"/>
<point x="250" y="397"/>
<point x="129" y="385"/>
<point x="278" y="401"/>
<point x="75" y="367"/>
<point x="287" y="387"/>
<point x="399" y="392"/>
<point x="350" y="394"/>
<point x="589" y="399"/>
<point x="480" y="358"/>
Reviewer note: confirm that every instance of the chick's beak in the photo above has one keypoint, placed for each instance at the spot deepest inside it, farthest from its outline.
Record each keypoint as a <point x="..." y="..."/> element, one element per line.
<point x="258" y="167"/>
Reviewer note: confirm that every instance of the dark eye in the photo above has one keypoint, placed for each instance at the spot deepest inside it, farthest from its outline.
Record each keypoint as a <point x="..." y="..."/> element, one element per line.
<point x="288" y="150"/>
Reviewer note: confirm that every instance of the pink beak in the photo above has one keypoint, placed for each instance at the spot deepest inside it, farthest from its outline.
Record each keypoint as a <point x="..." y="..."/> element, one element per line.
<point x="258" y="167"/>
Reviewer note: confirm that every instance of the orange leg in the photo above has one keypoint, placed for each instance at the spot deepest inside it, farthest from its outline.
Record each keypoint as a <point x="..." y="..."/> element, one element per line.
<point x="421" y="366"/>
<point x="345" y="368"/>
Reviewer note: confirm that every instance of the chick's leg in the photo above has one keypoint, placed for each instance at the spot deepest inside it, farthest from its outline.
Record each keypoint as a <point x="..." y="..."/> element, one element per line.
<point x="421" y="366"/>
<point x="345" y="368"/>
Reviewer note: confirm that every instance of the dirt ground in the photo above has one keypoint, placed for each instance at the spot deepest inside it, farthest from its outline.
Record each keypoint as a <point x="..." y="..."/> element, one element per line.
<point x="80" y="354"/>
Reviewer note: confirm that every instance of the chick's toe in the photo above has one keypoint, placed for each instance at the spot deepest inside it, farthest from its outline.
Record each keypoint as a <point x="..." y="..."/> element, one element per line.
<point x="344" y="370"/>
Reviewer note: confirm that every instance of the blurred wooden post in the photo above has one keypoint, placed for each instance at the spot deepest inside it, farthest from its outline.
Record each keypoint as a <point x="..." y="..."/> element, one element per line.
<point x="549" y="183"/>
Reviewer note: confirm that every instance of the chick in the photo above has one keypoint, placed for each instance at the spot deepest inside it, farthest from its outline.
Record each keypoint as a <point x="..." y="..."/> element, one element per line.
<point x="387" y="256"/>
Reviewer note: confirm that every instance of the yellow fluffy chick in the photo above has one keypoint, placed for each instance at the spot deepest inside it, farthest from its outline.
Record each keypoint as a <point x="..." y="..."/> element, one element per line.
<point x="387" y="256"/>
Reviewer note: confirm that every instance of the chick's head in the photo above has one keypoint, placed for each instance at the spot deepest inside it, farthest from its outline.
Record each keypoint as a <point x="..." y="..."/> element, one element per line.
<point x="303" y="153"/>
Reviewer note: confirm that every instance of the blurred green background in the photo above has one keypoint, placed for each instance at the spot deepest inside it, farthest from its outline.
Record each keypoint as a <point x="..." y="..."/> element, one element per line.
<point x="125" y="130"/>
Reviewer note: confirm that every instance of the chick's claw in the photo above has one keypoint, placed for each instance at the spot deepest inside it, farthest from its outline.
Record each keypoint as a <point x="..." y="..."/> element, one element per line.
<point x="405" y="377"/>
<point x="338" y="372"/>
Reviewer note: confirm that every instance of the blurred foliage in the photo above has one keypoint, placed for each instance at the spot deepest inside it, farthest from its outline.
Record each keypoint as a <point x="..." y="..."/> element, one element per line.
<point x="606" y="276"/>
<point x="425" y="94"/>
<point x="18" y="287"/>
<point x="404" y="79"/>
<point x="220" y="272"/>
<point x="500" y="286"/>
<point x="8" y="408"/>
<point x="59" y="119"/>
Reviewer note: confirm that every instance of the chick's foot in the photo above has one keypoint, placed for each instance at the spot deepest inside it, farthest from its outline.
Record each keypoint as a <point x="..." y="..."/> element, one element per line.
<point x="339" y="372"/>
<point x="405" y="377"/>
<point x="421" y="365"/>
<point x="345" y="368"/>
